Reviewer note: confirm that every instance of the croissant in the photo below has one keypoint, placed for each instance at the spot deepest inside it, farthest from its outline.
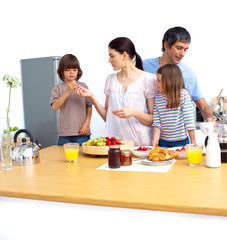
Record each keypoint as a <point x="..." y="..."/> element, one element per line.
<point x="161" y="154"/>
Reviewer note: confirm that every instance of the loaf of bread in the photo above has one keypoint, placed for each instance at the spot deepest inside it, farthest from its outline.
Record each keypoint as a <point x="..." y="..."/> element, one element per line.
<point x="161" y="154"/>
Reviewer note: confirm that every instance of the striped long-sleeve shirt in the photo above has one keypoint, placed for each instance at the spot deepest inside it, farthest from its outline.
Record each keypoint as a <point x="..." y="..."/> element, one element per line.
<point x="174" y="123"/>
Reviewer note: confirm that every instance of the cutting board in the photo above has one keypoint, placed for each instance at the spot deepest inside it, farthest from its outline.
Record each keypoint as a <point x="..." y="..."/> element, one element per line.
<point x="96" y="150"/>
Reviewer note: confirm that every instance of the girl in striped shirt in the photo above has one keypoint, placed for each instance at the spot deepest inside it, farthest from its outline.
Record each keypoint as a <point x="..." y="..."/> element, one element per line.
<point x="173" y="118"/>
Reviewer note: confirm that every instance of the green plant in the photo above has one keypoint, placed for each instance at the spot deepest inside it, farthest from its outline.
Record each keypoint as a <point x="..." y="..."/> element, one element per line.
<point x="11" y="82"/>
<point x="11" y="130"/>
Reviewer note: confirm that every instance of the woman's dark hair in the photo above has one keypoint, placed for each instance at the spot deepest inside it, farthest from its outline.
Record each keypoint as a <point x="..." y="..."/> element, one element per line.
<point x="172" y="83"/>
<point x="123" y="44"/>
<point x="175" y="34"/>
<point x="66" y="62"/>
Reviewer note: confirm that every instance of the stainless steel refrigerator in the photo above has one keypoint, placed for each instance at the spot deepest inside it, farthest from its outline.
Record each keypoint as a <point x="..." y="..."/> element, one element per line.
<point x="39" y="75"/>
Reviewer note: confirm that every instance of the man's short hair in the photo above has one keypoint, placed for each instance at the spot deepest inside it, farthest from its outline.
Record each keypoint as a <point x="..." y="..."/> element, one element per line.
<point x="176" y="34"/>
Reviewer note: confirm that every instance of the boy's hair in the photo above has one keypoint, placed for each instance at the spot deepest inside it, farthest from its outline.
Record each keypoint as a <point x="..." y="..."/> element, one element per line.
<point x="175" y="34"/>
<point x="172" y="84"/>
<point x="66" y="62"/>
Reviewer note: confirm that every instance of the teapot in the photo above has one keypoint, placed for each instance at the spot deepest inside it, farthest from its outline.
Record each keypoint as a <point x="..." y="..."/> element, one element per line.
<point x="25" y="154"/>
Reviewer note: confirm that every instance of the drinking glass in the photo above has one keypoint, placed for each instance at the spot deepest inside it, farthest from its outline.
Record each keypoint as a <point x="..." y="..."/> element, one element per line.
<point x="194" y="153"/>
<point x="71" y="151"/>
<point x="5" y="145"/>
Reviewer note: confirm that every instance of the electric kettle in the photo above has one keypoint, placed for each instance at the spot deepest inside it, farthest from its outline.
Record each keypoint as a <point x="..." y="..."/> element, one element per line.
<point x="25" y="154"/>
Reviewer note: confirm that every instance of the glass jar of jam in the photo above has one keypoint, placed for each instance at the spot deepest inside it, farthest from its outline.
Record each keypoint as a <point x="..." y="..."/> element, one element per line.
<point x="126" y="158"/>
<point x="114" y="156"/>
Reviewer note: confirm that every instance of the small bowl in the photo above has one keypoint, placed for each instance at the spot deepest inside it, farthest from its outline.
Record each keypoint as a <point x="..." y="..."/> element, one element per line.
<point x="182" y="154"/>
<point x="140" y="153"/>
<point x="181" y="151"/>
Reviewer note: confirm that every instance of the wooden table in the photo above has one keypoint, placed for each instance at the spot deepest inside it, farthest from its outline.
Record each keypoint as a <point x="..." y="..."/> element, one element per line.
<point x="182" y="189"/>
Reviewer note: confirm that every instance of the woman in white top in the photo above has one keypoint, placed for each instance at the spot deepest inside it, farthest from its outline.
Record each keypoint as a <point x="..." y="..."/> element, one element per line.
<point x="130" y="94"/>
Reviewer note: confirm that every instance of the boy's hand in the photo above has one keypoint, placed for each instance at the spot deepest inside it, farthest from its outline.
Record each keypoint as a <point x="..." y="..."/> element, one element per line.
<point x="84" y="129"/>
<point x="71" y="85"/>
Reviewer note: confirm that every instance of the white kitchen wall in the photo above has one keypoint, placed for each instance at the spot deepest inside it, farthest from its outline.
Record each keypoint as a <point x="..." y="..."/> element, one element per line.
<point x="31" y="29"/>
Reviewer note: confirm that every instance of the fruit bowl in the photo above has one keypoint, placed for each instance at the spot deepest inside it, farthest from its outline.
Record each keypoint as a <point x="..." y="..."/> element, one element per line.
<point x="141" y="151"/>
<point x="103" y="150"/>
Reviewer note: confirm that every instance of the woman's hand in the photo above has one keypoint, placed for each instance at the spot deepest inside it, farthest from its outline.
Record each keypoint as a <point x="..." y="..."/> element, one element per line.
<point x="82" y="92"/>
<point x="125" y="112"/>
<point x="144" y="118"/>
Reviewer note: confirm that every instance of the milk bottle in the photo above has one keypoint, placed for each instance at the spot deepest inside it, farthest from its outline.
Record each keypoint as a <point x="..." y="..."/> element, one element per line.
<point x="213" y="152"/>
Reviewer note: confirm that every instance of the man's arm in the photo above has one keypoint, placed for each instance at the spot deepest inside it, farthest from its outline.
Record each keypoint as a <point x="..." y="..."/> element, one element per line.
<point x="205" y="110"/>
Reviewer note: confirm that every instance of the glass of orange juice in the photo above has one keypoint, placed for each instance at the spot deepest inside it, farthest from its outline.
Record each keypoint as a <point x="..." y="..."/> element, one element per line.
<point x="194" y="153"/>
<point x="71" y="151"/>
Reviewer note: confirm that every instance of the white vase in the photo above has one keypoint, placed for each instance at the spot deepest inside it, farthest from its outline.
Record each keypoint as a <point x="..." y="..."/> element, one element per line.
<point x="5" y="145"/>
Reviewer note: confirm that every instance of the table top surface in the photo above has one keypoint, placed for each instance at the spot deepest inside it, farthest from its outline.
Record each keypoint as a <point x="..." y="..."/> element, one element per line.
<point x="182" y="189"/>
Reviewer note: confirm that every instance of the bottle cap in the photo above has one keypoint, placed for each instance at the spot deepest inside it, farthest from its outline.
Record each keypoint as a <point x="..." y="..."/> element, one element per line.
<point x="114" y="146"/>
<point x="125" y="152"/>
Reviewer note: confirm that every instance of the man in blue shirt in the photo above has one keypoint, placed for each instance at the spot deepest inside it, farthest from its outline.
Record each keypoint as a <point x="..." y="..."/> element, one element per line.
<point x="175" y="43"/>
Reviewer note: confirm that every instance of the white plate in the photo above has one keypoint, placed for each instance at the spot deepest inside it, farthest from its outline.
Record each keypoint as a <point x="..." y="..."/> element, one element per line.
<point x="160" y="163"/>
<point x="174" y="148"/>
<point x="183" y="154"/>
